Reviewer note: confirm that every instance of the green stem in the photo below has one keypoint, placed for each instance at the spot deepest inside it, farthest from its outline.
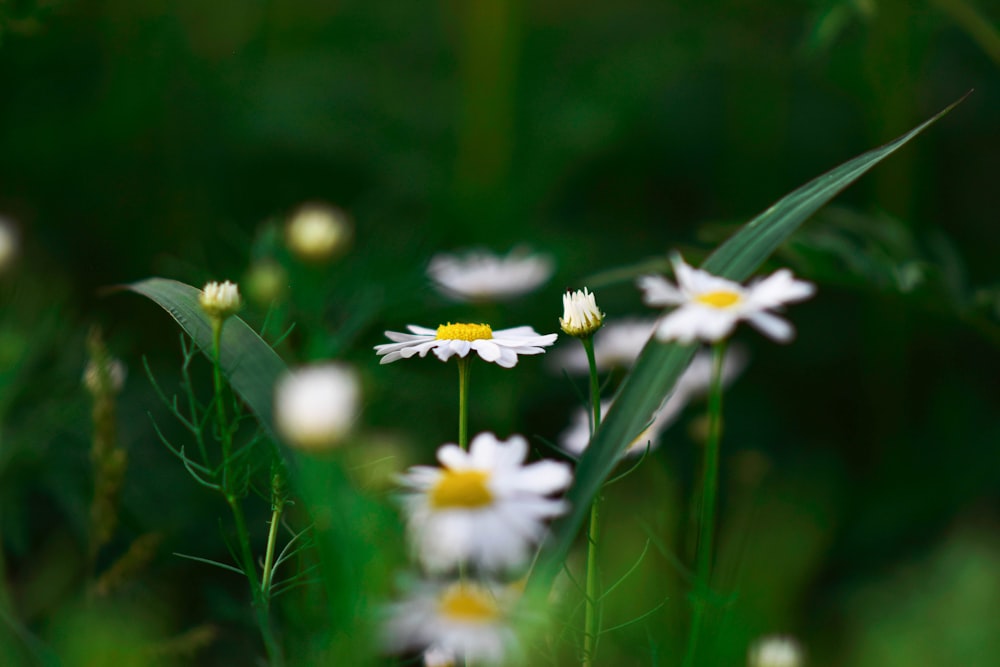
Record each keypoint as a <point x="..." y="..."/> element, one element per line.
<point x="225" y="435"/>
<point x="277" y="506"/>
<point x="709" y="493"/>
<point x="463" y="402"/>
<point x="592" y="613"/>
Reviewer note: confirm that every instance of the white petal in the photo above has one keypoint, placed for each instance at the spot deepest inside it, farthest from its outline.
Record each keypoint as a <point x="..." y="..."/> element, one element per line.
<point x="772" y="326"/>
<point x="488" y="350"/>
<point x="658" y="291"/>
<point x="779" y="288"/>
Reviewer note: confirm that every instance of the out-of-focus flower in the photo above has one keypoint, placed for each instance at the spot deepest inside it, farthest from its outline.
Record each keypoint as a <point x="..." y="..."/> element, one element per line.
<point x="220" y="300"/>
<point x="317" y="232"/>
<point x="694" y="382"/>
<point x="501" y="347"/>
<point x="108" y="380"/>
<point x="266" y="282"/>
<point x="616" y="345"/>
<point x="581" y="316"/>
<point x="483" y="506"/>
<point x="709" y="306"/>
<point x="470" y="620"/>
<point x="479" y="275"/>
<point x="315" y="406"/>
<point x="775" y="651"/>
<point x="9" y="243"/>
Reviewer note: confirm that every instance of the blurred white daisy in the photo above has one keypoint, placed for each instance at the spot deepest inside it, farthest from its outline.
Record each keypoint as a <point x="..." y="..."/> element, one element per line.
<point x="483" y="506"/>
<point x="317" y="231"/>
<point x="467" y="620"/>
<point x="315" y="406"/>
<point x="775" y="651"/>
<point x="616" y="345"/>
<point x="479" y="275"/>
<point x="9" y="242"/>
<point x="581" y="316"/>
<point x="709" y="306"/>
<point x="107" y="380"/>
<point x="693" y="383"/>
<point x="501" y="347"/>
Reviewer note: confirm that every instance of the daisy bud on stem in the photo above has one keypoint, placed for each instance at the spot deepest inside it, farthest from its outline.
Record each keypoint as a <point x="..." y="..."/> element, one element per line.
<point x="581" y="318"/>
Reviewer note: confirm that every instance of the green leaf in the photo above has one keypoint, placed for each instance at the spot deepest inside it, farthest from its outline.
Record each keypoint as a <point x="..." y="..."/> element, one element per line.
<point x="659" y="365"/>
<point x="250" y="365"/>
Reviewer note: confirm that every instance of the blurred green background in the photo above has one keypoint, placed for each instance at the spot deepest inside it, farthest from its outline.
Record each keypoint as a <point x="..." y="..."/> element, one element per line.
<point x="172" y="138"/>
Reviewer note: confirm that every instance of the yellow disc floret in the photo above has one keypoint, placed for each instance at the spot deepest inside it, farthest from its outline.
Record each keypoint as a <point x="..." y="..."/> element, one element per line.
<point x="719" y="299"/>
<point x="468" y="603"/>
<point x="461" y="489"/>
<point x="464" y="332"/>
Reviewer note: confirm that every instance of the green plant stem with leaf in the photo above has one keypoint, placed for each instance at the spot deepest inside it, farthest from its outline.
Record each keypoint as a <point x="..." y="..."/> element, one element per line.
<point x="706" y="511"/>
<point x="592" y="612"/>
<point x="258" y="591"/>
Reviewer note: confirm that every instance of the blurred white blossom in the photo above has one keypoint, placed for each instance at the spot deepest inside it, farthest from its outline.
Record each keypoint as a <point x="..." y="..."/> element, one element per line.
<point x="316" y="232"/>
<point x="479" y="275"/>
<point x="316" y="406"/>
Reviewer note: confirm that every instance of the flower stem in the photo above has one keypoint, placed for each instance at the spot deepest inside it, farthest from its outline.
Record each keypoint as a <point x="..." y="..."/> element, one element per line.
<point x="277" y="506"/>
<point x="706" y="517"/>
<point x="592" y="613"/>
<point x="463" y="402"/>
<point x="225" y="435"/>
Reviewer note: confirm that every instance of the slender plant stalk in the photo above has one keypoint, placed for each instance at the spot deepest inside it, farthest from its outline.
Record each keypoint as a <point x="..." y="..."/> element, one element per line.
<point x="277" y="506"/>
<point x="463" y="402"/>
<point x="274" y="654"/>
<point x="706" y="515"/>
<point x="592" y="613"/>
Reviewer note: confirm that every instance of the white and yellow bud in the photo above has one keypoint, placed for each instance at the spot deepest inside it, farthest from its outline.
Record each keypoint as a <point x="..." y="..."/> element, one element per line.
<point x="220" y="300"/>
<point x="581" y="316"/>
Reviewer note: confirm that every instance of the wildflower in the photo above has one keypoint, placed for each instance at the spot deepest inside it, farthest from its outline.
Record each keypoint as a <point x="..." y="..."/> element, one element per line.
<point x="775" y="651"/>
<point x="693" y="383"/>
<point x="8" y="242"/>
<point x="220" y="300"/>
<point x="107" y="380"/>
<point x="316" y="232"/>
<point x="482" y="276"/>
<point x="316" y="405"/>
<point x="483" y="505"/>
<point x="709" y="306"/>
<point x="617" y="344"/>
<point x="465" y="619"/>
<point x="500" y="347"/>
<point x="581" y="316"/>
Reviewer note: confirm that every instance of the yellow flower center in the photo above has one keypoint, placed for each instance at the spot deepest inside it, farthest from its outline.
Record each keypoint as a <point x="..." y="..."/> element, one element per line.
<point x="464" y="332"/>
<point x="470" y="604"/>
<point x="463" y="489"/>
<point x="719" y="299"/>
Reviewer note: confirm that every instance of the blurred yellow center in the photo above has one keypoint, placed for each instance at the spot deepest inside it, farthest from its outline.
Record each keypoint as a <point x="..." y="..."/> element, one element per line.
<point x="720" y="299"/>
<point x="461" y="489"/>
<point x="469" y="604"/>
<point x="464" y="332"/>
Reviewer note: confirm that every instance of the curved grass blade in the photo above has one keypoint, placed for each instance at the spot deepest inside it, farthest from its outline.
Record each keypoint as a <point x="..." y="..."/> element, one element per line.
<point x="250" y="365"/>
<point x="659" y="365"/>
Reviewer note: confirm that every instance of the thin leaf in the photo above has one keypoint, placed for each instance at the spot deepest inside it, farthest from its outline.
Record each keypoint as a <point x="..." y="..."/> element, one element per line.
<point x="209" y="561"/>
<point x="250" y="365"/>
<point x="660" y="365"/>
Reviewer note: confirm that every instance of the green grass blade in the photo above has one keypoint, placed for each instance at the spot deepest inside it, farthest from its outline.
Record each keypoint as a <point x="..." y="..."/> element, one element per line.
<point x="250" y="365"/>
<point x="659" y="365"/>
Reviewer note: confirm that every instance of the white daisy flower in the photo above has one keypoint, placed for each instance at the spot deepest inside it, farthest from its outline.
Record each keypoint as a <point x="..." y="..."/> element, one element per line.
<point x="709" y="306"/>
<point x="9" y="243"/>
<point x="220" y="300"/>
<point x="693" y="383"/>
<point x="480" y="275"/>
<point x="775" y="651"/>
<point x="581" y="316"/>
<point x="483" y="506"/>
<point x="617" y="344"/>
<point x="467" y="619"/>
<point x="316" y="232"/>
<point x="500" y="347"/>
<point x="315" y="406"/>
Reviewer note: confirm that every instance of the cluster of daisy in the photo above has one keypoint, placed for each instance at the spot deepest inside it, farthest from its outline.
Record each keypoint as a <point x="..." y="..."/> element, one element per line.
<point x="481" y="513"/>
<point x="475" y="520"/>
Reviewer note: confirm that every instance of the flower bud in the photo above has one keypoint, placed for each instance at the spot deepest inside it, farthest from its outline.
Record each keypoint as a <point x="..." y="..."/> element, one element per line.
<point x="220" y="300"/>
<point x="775" y="651"/>
<point x="581" y="316"/>
<point x="317" y="232"/>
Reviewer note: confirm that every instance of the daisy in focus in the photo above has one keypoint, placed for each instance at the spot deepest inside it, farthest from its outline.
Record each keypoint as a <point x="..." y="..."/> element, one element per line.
<point x="466" y="619"/>
<point x="479" y="275"/>
<point x="501" y="347"/>
<point x="708" y="307"/>
<point x="693" y="383"/>
<point x="483" y="506"/>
